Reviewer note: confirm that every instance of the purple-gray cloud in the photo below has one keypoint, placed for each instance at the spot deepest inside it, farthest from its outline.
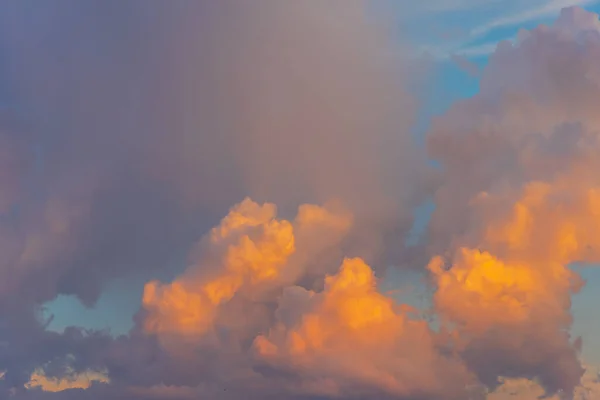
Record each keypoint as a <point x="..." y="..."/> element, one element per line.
<point x="138" y="126"/>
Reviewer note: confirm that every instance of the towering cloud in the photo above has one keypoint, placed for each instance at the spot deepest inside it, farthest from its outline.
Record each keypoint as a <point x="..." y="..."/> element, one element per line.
<point x="140" y="137"/>
<point x="519" y="204"/>
<point x="250" y="252"/>
<point x="350" y="340"/>
<point x="143" y="122"/>
<point x="244" y="303"/>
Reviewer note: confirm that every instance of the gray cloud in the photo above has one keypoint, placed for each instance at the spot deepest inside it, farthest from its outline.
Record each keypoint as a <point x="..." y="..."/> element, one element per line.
<point x="146" y="121"/>
<point x="143" y="122"/>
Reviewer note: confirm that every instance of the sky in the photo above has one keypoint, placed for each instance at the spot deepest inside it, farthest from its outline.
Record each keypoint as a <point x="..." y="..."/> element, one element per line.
<point x="300" y="200"/>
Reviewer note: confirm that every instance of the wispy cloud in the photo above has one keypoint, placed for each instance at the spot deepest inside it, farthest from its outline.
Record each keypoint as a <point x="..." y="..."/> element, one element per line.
<point x="454" y="5"/>
<point x="479" y="50"/>
<point x="450" y="51"/>
<point x="481" y="40"/>
<point x="528" y="15"/>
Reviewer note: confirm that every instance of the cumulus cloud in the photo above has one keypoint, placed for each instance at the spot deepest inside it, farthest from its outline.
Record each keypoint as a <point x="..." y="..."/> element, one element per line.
<point x="141" y="136"/>
<point x="350" y="340"/>
<point x="522" y="389"/>
<point x="249" y="253"/>
<point x="255" y="326"/>
<point x="518" y="204"/>
<point x="83" y="380"/>
<point x="136" y="138"/>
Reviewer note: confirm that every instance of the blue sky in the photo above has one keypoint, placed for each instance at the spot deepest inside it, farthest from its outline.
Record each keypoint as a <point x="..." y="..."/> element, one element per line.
<point x="441" y="28"/>
<point x="474" y="27"/>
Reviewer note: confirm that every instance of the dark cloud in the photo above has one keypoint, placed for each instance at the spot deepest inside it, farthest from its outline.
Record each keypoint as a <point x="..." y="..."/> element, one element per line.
<point x="145" y="121"/>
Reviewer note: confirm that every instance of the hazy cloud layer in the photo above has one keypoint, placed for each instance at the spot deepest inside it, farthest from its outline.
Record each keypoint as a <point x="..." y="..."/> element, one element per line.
<point x="130" y="149"/>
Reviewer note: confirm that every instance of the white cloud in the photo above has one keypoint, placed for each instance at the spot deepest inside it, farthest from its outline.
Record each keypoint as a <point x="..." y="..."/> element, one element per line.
<point x="520" y="15"/>
<point x="548" y="9"/>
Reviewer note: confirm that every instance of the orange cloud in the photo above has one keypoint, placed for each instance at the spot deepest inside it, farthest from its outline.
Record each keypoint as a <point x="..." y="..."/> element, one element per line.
<point x="249" y="249"/>
<point x="518" y="204"/>
<point x="74" y="381"/>
<point x="351" y="333"/>
<point x="253" y="247"/>
<point x="513" y="292"/>
<point x="480" y="290"/>
<point x="350" y="310"/>
<point x="529" y="245"/>
<point x="551" y="221"/>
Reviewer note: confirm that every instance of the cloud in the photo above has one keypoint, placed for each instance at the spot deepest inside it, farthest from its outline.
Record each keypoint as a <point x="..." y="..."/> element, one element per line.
<point x="477" y="39"/>
<point x="141" y="136"/>
<point x="351" y="340"/>
<point x="251" y="250"/>
<point x="448" y="5"/>
<point x="131" y="142"/>
<point x="478" y="51"/>
<point x="522" y="389"/>
<point x="78" y="381"/>
<point x="343" y="340"/>
<point x="544" y="10"/>
<point x="256" y="329"/>
<point x="466" y="65"/>
<point x="15" y="164"/>
<point x="523" y="149"/>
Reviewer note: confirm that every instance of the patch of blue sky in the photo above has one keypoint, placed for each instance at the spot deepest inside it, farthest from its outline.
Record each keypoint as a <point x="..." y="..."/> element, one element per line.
<point x="474" y="33"/>
<point x="586" y="322"/>
<point x="474" y="27"/>
<point x="483" y="38"/>
<point x="114" y="310"/>
<point x="448" y="83"/>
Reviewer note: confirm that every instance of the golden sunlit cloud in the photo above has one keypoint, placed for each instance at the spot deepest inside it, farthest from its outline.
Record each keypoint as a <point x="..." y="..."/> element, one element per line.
<point x="353" y="333"/>
<point x="250" y="248"/>
<point x="350" y="310"/>
<point x="82" y="380"/>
